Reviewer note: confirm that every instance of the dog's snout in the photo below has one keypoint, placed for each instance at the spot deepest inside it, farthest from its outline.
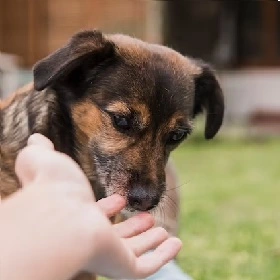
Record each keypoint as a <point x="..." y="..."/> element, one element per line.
<point x="142" y="199"/>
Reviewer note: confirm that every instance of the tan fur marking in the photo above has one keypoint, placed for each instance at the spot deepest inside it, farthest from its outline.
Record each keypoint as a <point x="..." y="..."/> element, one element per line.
<point x="87" y="119"/>
<point x="112" y="141"/>
<point x="172" y="124"/>
<point x="118" y="107"/>
<point x="92" y="126"/>
<point x="144" y="112"/>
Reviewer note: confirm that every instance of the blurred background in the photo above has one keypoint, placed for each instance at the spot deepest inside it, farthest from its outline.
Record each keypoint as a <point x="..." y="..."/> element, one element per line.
<point x="230" y="187"/>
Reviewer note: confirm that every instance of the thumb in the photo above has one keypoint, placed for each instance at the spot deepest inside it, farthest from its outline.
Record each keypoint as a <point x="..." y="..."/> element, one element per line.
<point x="40" y="140"/>
<point x="27" y="162"/>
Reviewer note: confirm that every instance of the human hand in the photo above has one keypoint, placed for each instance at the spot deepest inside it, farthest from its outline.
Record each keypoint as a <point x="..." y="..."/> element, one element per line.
<point x="138" y="237"/>
<point x="57" y="209"/>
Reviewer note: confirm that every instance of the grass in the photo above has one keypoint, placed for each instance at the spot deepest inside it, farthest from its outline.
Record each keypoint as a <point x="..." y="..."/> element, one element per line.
<point x="230" y="209"/>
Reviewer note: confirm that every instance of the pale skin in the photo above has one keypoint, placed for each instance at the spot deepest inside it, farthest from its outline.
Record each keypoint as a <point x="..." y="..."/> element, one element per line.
<point x="53" y="227"/>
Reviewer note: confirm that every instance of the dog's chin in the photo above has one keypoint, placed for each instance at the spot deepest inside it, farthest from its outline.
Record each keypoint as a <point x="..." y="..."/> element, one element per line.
<point x="130" y="212"/>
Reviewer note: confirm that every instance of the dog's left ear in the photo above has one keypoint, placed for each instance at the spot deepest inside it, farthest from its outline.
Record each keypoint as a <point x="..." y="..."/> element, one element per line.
<point x="84" y="47"/>
<point x="209" y="97"/>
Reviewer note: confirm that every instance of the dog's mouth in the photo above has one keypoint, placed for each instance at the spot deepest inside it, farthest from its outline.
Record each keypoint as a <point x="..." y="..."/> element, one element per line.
<point x="139" y="208"/>
<point x="128" y="211"/>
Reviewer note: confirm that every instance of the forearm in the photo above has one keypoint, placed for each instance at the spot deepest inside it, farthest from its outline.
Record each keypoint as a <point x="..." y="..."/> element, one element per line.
<point x="32" y="242"/>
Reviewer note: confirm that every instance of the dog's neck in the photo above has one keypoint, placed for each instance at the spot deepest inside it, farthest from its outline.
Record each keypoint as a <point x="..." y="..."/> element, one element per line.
<point x="25" y="113"/>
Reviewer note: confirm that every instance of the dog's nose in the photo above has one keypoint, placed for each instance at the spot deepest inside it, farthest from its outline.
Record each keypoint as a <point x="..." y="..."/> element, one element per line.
<point x="142" y="199"/>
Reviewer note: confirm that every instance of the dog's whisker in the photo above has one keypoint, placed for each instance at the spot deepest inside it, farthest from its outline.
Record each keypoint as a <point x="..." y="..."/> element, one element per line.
<point x="161" y="216"/>
<point x="177" y="187"/>
<point x="171" y="203"/>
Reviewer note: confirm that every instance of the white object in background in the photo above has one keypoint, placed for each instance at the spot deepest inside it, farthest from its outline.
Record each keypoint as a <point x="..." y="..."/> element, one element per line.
<point x="8" y="74"/>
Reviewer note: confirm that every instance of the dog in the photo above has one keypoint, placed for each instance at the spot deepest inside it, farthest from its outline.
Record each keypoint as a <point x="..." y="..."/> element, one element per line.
<point x="116" y="105"/>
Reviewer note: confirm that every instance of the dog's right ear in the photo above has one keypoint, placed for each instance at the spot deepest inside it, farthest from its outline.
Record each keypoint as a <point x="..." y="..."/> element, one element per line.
<point x="82" y="47"/>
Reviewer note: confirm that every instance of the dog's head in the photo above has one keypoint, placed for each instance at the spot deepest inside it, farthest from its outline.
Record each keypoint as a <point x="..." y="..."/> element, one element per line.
<point x="131" y="104"/>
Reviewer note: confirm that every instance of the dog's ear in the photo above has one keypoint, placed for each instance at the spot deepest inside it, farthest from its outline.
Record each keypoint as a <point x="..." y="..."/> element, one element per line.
<point x="84" y="46"/>
<point x="209" y="97"/>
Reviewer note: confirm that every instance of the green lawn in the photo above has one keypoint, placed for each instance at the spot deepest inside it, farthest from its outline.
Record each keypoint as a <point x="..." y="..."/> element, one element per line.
<point x="230" y="212"/>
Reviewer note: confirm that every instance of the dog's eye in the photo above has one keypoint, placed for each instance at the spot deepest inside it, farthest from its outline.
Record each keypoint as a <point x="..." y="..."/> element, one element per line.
<point x="122" y="123"/>
<point x="175" y="137"/>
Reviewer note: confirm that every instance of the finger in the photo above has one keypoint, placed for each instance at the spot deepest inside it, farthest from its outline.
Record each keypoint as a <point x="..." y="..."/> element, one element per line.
<point x="134" y="225"/>
<point x="111" y="205"/>
<point x="39" y="139"/>
<point x="146" y="241"/>
<point x="150" y="263"/>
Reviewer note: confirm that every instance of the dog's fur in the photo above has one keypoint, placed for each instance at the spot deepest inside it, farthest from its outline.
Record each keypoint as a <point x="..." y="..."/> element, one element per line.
<point x="112" y="103"/>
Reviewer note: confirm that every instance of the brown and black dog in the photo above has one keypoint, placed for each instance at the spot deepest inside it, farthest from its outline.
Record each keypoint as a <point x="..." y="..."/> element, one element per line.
<point x="118" y="106"/>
